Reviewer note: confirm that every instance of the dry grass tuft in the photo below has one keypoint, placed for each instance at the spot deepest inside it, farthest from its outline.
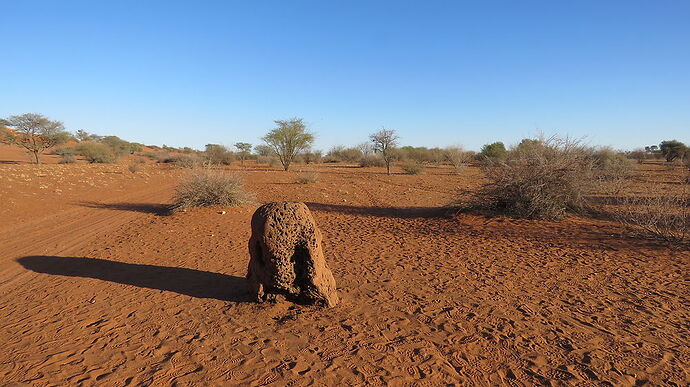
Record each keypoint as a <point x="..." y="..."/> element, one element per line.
<point x="67" y="159"/>
<point x="208" y="188"/>
<point x="307" y="177"/>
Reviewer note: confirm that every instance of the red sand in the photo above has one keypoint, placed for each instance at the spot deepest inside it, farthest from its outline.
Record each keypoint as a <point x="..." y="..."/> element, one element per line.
<point x="99" y="286"/>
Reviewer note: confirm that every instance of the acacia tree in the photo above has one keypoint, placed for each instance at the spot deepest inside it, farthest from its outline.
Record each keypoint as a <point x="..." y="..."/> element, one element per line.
<point x="35" y="133"/>
<point x="288" y="140"/>
<point x="385" y="141"/>
<point x="243" y="150"/>
<point x="673" y="149"/>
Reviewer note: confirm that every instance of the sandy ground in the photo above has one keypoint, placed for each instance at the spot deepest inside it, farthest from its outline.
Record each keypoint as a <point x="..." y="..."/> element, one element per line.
<point x="99" y="285"/>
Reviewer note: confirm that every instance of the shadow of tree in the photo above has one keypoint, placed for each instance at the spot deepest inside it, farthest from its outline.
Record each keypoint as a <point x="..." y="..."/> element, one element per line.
<point x="147" y="208"/>
<point x="190" y="282"/>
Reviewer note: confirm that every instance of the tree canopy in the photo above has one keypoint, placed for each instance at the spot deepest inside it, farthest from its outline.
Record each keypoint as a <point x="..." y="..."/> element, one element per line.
<point x="35" y="133"/>
<point x="673" y="149"/>
<point x="289" y="139"/>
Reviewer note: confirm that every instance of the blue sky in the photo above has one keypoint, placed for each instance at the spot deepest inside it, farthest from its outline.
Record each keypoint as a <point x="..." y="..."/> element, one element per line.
<point x="438" y="72"/>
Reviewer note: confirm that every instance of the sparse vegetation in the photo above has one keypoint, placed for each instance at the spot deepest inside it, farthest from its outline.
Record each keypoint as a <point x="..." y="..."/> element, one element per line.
<point x="35" y="133"/>
<point x="64" y="150"/>
<point x="312" y="157"/>
<point x="384" y="142"/>
<point x="494" y="152"/>
<point x="289" y="139"/>
<point x="134" y="167"/>
<point x="673" y="150"/>
<point x="307" y="177"/>
<point x="412" y="168"/>
<point x="67" y="159"/>
<point x="218" y="154"/>
<point x="543" y="178"/>
<point x="244" y="149"/>
<point x="208" y="188"/>
<point x="457" y="157"/>
<point x="612" y="169"/>
<point x="341" y="154"/>
<point x="96" y="152"/>
<point x="662" y="215"/>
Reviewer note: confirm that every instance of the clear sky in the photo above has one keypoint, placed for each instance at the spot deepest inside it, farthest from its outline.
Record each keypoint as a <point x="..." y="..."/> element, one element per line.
<point x="439" y="72"/>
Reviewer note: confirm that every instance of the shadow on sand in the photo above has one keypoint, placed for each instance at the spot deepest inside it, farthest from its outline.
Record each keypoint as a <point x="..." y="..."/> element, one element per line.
<point x="386" y="212"/>
<point x="194" y="283"/>
<point x="147" y="208"/>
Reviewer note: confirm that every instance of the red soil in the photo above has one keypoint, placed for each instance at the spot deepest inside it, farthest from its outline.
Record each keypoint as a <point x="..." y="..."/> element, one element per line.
<point x="99" y="285"/>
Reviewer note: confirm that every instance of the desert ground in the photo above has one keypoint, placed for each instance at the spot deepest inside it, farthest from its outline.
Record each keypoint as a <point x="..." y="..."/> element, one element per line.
<point x="101" y="285"/>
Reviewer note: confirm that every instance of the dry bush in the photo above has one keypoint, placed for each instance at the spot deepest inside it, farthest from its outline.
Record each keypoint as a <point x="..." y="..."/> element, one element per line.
<point x="457" y="157"/>
<point x="612" y="170"/>
<point x="183" y="161"/>
<point x="64" y="151"/>
<point x="543" y="178"/>
<point x="412" y="168"/>
<point x="664" y="216"/>
<point x="208" y="188"/>
<point x="372" y="160"/>
<point x="307" y="177"/>
<point x="189" y="161"/>
<point x="67" y="159"/>
<point x="134" y="167"/>
<point x="340" y="154"/>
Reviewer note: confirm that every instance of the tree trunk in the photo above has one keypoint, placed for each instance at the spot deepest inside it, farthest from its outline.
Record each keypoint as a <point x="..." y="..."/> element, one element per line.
<point x="38" y="160"/>
<point x="388" y="168"/>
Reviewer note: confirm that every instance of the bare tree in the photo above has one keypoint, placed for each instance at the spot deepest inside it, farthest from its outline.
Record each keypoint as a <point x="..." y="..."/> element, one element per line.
<point x="457" y="157"/>
<point x="384" y="141"/>
<point x="35" y="133"/>
<point x="243" y="150"/>
<point x="288" y="140"/>
<point x="366" y="148"/>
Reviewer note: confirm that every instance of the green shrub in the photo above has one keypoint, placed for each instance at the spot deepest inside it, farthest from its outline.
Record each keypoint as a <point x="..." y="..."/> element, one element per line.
<point x="64" y="150"/>
<point x="95" y="152"/>
<point x="493" y="152"/>
<point x="218" y="154"/>
<point x="207" y="188"/>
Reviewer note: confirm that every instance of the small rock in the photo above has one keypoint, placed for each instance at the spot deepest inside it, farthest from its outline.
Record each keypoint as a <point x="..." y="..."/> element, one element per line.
<point x="221" y="212"/>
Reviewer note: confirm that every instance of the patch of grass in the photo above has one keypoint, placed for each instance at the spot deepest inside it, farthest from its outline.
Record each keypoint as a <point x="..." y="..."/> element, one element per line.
<point x="208" y="188"/>
<point x="307" y="177"/>
<point x="134" y="167"/>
